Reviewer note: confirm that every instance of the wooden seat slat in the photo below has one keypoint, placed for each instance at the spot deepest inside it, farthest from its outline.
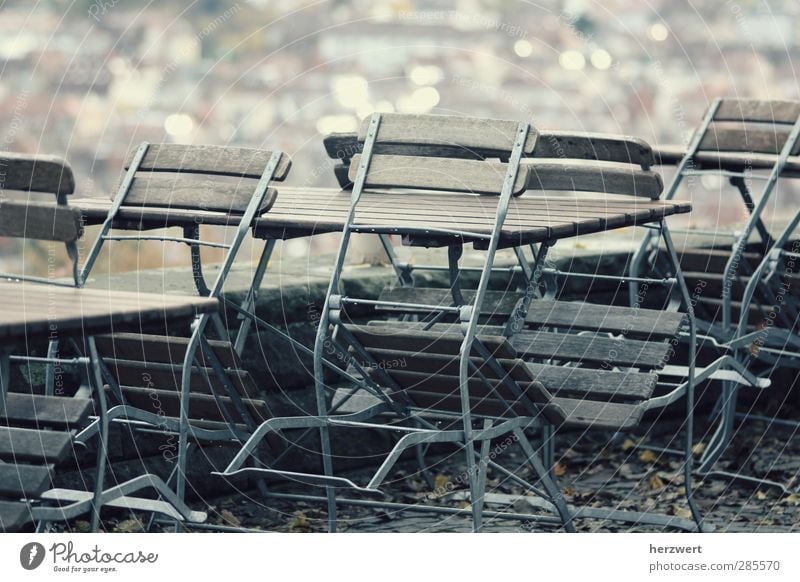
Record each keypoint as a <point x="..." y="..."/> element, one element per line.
<point x="24" y="445"/>
<point x="159" y="348"/>
<point x="14" y="515"/>
<point x="24" y="481"/>
<point x="201" y="406"/>
<point x="163" y="376"/>
<point x="37" y="411"/>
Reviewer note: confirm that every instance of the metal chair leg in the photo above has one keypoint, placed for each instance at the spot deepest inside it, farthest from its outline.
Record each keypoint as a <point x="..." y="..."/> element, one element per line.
<point x="547" y="482"/>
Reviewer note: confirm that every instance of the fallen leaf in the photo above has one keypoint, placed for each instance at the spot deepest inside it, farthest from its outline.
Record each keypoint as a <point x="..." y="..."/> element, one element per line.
<point x="227" y="518"/>
<point x="440" y="483"/>
<point x="792" y="499"/>
<point x="699" y="448"/>
<point x="300" y="522"/>
<point x="628" y="444"/>
<point x="82" y="526"/>
<point x="559" y="470"/>
<point x="655" y="482"/>
<point x="761" y="495"/>
<point x="683" y="512"/>
<point x="648" y="457"/>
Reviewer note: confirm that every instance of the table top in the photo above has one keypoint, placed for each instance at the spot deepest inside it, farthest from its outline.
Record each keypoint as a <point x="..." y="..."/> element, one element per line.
<point x="532" y="217"/>
<point x="34" y="311"/>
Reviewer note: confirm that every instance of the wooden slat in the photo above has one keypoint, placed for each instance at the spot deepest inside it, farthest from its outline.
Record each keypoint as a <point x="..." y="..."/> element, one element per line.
<point x="756" y="110"/>
<point x="35" y="173"/>
<point x="159" y="348"/>
<point x="711" y="284"/>
<point x="201" y="406"/>
<point x="499" y="303"/>
<point x="438" y="174"/>
<point x="23" y="445"/>
<point x="24" y="481"/>
<point x="397" y="338"/>
<point x="34" y="410"/>
<point x="450" y="130"/>
<point x="594" y="384"/>
<point x="573" y="145"/>
<point x="209" y="159"/>
<point x="588" y="177"/>
<point x="564" y="145"/>
<point x="575" y="315"/>
<point x="757" y="139"/>
<point x="591" y="350"/>
<point x="712" y="260"/>
<point x="14" y="515"/>
<point x="589" y="414"/>
<point x="177" y="191"/>
<point x="670" y="155"/>
<point x="39" y="221"/>
<point x="168" y="377"/>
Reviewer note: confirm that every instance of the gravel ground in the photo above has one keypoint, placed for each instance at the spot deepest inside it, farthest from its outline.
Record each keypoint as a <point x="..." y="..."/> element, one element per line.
<point x="599" y="470"/>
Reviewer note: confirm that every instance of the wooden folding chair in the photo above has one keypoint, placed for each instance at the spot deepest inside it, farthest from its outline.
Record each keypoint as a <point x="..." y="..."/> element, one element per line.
<point x="201" y="390"/>
<point x="463" y="377"/>
<point x="736" y="138"/>
<point x="38" y="430"/>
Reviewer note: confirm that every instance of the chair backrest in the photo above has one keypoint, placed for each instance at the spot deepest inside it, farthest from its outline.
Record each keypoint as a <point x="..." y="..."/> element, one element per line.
<point x="409" y="150"/>
<point x="593" y="163"/>
<point x="750" y="125"/>
<point x="200" y="177"/>
<point x="28" y="219"/>
<point x="460" y="171"/>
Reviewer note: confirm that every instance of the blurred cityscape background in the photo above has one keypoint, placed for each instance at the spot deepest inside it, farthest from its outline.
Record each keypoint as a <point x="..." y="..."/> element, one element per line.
<point x="90" y="79"/>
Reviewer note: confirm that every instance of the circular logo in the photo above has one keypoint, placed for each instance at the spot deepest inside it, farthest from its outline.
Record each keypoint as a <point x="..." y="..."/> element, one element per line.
<point x="31" y="555"/>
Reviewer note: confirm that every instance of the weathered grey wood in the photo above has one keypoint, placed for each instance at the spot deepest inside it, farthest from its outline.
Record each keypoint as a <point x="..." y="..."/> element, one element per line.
<point x="159" y="348"/>
<point x="201" y="406"/>
<point x="753" y="138"/>
<point x="592" y="177"/>
<point x="711" y="284"/>
<point x="35" y="173"/>
<point x="393" y="338"/>
<point x="450" y="130"/>
<point x="480" y="177"/>
<point x="592" y="350"/>
<point x="177" y="191"/>
<point x="576" y="316"/>
<point x="209" y="159"/>
<point x="24" y="481"/>
<point x="563" y="145"/>
<point x="712" y="260"/>
<point x="37" y="411"/>
<point x="574" y="145"/>
<point x="757" y="110"/>
<point x="39" y="221"/>
<point x="24" y="445"/>
<point x="671" y="155"/>
<point x="589" y="414"/>
<point x="586" y="349"/>
<point x="87" y="311"/>
<point x="499" y="303"/>
<point x="594" y="384"/>
<point x="14" y="515"/>
<point x="169" y="376"/>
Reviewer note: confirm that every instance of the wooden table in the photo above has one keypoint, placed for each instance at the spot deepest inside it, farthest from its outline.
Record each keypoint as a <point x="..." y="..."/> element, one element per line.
<point x="532" y="218"/>
<point x="32" y="312"/>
